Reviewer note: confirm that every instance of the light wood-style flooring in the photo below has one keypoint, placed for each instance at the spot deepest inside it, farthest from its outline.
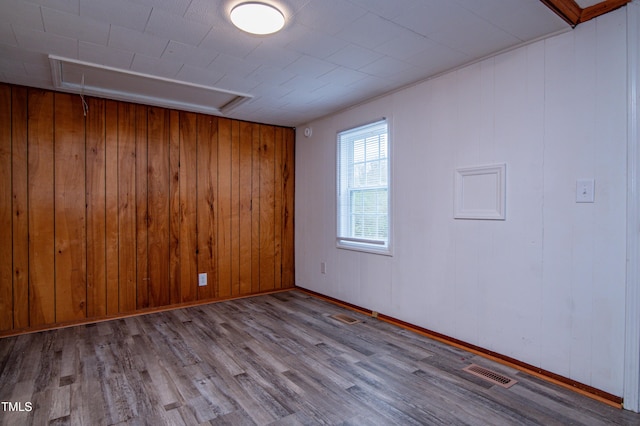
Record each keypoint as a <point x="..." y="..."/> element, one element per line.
<point x="273" y="359"/>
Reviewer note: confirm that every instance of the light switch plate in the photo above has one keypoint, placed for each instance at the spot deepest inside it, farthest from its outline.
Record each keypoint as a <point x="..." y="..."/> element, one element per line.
<point x="585" y="190"/>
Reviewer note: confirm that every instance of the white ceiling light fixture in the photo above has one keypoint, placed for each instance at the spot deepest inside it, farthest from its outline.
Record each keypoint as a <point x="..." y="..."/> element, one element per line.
<point x="257" y="18"/>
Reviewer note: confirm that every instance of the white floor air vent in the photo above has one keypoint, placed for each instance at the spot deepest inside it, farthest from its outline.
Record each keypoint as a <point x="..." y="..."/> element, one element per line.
<point x="491" y="376"/>
<point x="86" y="78"/>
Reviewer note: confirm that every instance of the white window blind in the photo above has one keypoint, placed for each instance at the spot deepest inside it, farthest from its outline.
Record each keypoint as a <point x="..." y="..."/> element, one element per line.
<point x="363" y="187"/>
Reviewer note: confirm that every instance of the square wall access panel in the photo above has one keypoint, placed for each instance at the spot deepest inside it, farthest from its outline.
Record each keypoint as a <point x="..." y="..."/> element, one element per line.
<point x="86" y="78"/>
<point x="480" y="192"/>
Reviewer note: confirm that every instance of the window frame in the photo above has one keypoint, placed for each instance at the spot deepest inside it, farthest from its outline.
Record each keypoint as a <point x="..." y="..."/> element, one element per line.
<point x="361" y="244"/>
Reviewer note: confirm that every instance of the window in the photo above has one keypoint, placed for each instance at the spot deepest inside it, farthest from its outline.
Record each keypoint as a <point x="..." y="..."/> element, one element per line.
<point x="363" y="188"/>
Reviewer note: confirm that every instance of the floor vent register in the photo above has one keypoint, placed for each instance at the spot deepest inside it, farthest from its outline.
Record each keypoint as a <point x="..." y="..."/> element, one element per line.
<point x="345" y="319"/>
<point x="491" y="376"/>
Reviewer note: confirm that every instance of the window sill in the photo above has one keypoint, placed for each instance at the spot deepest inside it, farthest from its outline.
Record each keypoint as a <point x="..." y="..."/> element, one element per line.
<point x="364" y="248"/>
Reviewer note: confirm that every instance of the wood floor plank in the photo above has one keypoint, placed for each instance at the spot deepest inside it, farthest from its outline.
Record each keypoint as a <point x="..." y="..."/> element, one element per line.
<point x="41" y="403"/>
<point x="88" y="404"/>
<point x="60" y="403"/>
<point x="322" y="409"/>
<point x="155" y="378"/>
<point x="273" y="359"/>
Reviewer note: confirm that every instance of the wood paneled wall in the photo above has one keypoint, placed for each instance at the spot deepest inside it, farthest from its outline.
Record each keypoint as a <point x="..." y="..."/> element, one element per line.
<point x="119" y="210"/>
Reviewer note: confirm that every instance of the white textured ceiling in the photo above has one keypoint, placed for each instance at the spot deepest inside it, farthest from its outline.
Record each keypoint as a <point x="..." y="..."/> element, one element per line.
<point x="331" y="54"/>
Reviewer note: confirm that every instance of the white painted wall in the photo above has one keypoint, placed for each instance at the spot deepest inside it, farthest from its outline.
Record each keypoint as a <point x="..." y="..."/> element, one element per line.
<point x="546" y="286"/>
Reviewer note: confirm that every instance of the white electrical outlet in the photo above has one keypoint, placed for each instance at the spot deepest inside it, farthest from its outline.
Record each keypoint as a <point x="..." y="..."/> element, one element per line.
<point x="323" y="267"/>
<point x="202" y="279"/>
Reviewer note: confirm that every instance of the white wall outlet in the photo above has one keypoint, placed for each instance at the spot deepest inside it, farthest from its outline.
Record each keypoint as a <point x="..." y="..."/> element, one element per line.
<point x="323" y="267"/>
<point x="202" y="279"/>
<point x="585" y="190"/>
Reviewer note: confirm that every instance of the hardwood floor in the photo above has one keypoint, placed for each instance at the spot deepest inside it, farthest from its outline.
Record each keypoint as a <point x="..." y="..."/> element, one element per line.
<point x="275" y="359"/>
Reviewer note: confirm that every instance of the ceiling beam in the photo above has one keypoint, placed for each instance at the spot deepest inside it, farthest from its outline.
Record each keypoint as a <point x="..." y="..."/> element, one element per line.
<point x="573" y="14"/>
<point x="601" y="8"/>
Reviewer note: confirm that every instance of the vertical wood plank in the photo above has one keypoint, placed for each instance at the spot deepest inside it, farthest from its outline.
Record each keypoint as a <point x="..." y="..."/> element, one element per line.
<point x="207" y="157"/>
<point x="174" y="208"/>
<point x="70" y="208"/>
<point x="127" y="248"/>
<point x="188" y="202"/>
<point x="112" y="227"/>
<point x="6" y="212"/>
<point x="19" y="174"/>
<point x="224" y="208"/>
<point x="235" y="208"/>
<point x="267" y="205"/>
<point x="142" y="255"/>
<point x="277" y="206"/>
<point x="245" y="193"/>
<point x="288" y="275"/>
<point x="158" y="206"/>
<point x="41" y="208"/>
<point x="255" y="208"/>
<point x="96" y="209"/>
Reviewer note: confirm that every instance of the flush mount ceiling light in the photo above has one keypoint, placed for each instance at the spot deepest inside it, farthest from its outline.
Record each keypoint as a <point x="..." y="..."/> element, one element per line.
<point x="257" y="18"/>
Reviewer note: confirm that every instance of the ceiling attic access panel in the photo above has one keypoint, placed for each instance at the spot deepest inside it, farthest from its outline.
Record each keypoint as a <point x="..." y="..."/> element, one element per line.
<point x="86" y="78"/>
